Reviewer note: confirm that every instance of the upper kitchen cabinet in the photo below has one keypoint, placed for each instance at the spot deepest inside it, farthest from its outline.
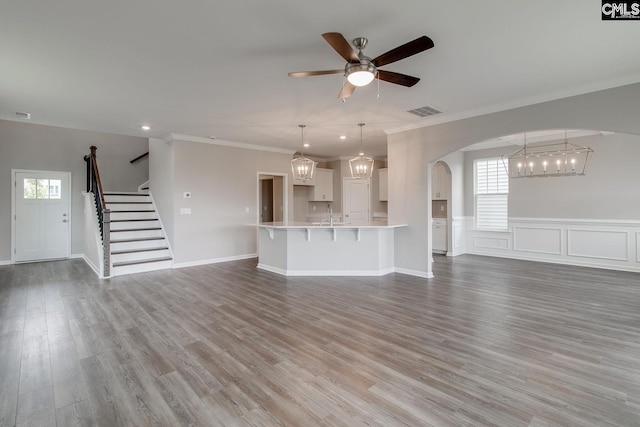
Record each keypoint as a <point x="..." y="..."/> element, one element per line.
<point x="383" y="184"/>
<point x="322" y="190"/>
<point x="441" y="182"/>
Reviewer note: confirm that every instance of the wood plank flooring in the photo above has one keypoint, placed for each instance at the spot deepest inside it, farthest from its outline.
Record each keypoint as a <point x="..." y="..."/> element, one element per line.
<point x="487" y="342"/>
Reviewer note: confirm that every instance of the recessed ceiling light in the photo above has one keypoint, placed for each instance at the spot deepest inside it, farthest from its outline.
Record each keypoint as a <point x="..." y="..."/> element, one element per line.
<point x="25" y="116"/>
<point x="305" y="144"/>
<point x="343" y="137"/>
<point x="213" y="137"/>
<point x="145" y="127"/>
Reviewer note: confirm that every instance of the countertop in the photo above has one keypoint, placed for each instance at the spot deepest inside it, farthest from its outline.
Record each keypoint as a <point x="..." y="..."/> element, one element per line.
<point x="301" y="224"/>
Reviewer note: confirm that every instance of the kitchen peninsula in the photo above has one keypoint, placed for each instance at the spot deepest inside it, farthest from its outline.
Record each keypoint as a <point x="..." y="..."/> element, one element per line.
<point x="321" y="249"/>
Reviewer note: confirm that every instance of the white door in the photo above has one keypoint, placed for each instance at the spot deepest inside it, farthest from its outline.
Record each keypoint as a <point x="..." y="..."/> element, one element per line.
<point x="41" y="215"/>
<point x="356" y="200"/>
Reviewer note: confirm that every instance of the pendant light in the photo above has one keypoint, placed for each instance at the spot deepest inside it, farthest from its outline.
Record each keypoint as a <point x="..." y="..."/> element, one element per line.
<point x="361" y="166"/>
<point x="302" y="167"/>
<point x="548" y="160"/>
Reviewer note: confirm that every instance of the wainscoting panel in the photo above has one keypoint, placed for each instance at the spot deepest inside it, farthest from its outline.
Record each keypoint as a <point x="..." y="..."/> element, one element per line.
<point x="458" y="231"/>
<point x="540" y="240"/>
<point x="610" y="244"/>
<point x="491" y="242"/>
<point x="601" y="244"/>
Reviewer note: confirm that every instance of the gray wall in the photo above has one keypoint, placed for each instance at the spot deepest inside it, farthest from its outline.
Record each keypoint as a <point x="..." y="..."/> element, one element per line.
<point x="609" y="190"/>
<point x="38" y="147"/>
<point x="223" y="182"/>
<point x="409" y="153"/>
<point x="161" y="181"/>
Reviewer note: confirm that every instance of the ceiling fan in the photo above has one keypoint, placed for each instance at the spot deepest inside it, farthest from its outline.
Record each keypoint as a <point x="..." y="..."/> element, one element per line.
<point x="360" y="70"/>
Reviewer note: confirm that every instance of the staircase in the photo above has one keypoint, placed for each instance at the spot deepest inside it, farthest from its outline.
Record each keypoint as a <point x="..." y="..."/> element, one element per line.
<point x="138" y="242"/>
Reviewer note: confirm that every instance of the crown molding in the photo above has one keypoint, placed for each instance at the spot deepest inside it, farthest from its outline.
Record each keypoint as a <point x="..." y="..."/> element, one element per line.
<point x="188" y="138"/>
<point x="517" y="103"/>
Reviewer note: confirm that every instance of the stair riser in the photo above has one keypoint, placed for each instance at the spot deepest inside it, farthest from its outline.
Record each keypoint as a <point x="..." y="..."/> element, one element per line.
<point x="138" y="256"/>
<point x="140" y="198"/>
<point x="140" y="268"/>
<point x="133" y="224"/>
<point x="133" y="215"/>
<point x="129" y="207"/>
<point x="144" y="244"/>
<point x="135" y="234"/>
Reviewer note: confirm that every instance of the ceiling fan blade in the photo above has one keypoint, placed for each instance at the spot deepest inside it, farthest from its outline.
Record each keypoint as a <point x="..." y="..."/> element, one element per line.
<point x="342" y="46"/>
<point x="397" y="78"/>
<point x="315" y="73"/>
<point x="406" y="50"/>
<point x="347" y="90"/>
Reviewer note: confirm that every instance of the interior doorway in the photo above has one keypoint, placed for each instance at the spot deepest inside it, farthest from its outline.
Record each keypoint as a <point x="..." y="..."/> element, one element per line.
<point x="356" y="200"/>
<point x="440" y="207"/>
<point x="272" y="195"/>
<point x="41" y="215"/>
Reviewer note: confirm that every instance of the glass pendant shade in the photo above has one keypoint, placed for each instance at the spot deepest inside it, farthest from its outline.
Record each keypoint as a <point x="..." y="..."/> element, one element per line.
<point x="360" y="74"/>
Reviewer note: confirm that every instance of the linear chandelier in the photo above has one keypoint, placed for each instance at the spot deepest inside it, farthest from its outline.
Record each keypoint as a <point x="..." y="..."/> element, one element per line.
<point x="547" y="160"/>
<point x="361" y="166"/>
<point x="302" y="167"/>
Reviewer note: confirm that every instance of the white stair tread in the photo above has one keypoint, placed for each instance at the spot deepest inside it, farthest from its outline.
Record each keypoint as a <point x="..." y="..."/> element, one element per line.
<point x="142" y="261"/>
<point x="128" y="251"/>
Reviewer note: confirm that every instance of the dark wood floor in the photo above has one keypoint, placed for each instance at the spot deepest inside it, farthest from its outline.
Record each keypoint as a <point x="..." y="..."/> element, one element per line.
<point x="487" y="342"/>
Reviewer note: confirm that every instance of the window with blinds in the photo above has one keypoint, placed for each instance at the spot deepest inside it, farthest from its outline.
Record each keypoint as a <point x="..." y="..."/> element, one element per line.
<point x="491" y="194"/>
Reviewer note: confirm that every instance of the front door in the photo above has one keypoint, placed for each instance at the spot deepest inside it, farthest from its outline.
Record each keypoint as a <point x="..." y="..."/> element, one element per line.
<point x="41" y="215"/>
<point x="356" y="201"/>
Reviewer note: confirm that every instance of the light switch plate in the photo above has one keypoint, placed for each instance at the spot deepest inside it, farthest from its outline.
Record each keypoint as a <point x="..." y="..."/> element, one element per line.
<point x="185" y="211"/>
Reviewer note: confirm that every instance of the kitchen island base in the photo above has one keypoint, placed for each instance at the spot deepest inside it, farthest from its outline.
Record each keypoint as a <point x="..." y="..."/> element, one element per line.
<point x="326" y="250"/>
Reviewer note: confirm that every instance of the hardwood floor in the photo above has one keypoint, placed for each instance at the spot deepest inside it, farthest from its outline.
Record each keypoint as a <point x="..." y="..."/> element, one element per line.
<point x="487" y="342"/>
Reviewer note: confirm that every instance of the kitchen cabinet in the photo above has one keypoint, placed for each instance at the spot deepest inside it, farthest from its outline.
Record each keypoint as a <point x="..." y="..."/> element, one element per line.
<point x="309" y="183"/>
<point x="383" y="184"/>
<point x="441" y="182"/>
<point x="439" y="236"/>
<point x="322" y="190"/>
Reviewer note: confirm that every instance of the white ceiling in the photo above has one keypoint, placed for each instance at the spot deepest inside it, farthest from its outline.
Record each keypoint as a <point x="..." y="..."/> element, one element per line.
<point x="218" y="68"/>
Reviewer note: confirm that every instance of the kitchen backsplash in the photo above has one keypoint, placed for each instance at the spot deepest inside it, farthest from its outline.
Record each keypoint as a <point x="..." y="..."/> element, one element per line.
<point x="439" y="208"/>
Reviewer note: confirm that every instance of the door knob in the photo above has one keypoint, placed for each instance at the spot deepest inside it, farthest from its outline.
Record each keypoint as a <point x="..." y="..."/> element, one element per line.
<point x="64" y="220"/>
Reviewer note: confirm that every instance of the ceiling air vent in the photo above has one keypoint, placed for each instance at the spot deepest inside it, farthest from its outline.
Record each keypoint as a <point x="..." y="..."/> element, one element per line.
<point x="424" y="111"/>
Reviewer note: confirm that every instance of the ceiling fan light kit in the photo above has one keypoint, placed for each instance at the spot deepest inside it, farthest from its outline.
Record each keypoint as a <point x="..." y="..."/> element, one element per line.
<point x="360" y="70"/>
<point x="360" y="74"/>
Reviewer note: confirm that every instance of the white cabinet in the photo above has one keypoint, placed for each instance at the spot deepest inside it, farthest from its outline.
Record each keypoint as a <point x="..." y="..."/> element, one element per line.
<point x="441" y="182"/>
<point x="439" y="236"/>
<point x="383" y="184"/>
<point x="322" y="190"/>
<point x="309" y="183"/>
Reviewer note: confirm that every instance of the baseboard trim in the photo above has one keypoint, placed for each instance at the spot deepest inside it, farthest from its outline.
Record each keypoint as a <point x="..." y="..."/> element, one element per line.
<point x="89" y="263"/>
<point x="416" y="273"/>
<point x="5" y="262"/>
<point x="320" y="273"/>
<point x="213" y="260"/>
<point x="562" y="261"/>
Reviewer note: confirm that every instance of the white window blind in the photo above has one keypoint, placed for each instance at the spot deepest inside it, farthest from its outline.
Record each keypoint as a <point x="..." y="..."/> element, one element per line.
<point x="492" y="194"/>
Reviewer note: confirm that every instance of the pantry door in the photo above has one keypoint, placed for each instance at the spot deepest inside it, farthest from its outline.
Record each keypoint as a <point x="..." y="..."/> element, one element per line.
<point x="41" y="215"/>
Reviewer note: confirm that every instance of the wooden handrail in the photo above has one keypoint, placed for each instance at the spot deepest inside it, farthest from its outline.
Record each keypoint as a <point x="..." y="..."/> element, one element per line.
<point x="94" y="185"/>
<point x="140" y="157"/>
